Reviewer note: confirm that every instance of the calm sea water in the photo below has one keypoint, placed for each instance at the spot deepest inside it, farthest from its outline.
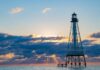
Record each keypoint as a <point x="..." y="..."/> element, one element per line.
<point x="46" y="68"/>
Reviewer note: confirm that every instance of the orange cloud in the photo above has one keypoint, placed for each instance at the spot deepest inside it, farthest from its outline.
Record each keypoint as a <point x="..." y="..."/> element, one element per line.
<point x="94" y="38"/>
<point x="7" y="56"/>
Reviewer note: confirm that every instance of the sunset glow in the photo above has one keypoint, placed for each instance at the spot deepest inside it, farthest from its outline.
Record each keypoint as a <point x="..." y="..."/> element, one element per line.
<point x="49" y="32"/>
<point x="7" y="56"/>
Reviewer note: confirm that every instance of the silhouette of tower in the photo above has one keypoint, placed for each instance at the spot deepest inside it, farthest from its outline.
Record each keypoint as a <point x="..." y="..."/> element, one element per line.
<point x="75" y="55"/>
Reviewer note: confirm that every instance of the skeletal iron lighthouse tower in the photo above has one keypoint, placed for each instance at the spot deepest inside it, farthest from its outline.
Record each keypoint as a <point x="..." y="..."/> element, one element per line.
<point x="75" y="55"/>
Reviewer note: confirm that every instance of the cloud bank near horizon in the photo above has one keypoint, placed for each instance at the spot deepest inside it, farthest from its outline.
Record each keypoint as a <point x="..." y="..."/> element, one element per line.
<point x="23" y="49"/>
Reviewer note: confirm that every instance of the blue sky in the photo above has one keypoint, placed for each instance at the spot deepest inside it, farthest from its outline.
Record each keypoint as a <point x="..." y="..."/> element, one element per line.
<point x="48" y="17"/>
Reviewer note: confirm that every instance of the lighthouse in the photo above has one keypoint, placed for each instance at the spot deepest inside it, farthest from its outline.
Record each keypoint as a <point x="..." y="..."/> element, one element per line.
<point x="75" y="51"/>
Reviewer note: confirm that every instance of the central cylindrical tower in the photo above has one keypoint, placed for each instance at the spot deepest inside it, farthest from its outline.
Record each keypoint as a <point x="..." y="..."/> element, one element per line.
<point x="74" y="22"/>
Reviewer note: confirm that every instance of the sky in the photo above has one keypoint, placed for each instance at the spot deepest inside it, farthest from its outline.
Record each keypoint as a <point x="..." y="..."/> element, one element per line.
<point x="48" y="17"/>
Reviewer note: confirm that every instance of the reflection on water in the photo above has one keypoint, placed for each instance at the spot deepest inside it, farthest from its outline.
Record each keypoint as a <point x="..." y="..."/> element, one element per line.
<point x="72" y="68"/>
<point x="48" y="68"/>
<point x="77" y="68"/>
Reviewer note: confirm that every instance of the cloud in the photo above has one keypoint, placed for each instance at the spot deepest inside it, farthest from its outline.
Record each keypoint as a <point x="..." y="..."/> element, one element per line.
<point x="16" y="10"/>
<point x="31" y="52"/>
<point x="93" y="38"/>
<point x="49" y="39"/>
<point x="7" y="56"/>
<point x="46" y="10"/>
<point x="87" y="42"/>
<point x="95" y="35"/>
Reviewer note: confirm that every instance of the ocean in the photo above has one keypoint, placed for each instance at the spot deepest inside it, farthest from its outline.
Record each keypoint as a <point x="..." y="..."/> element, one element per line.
<point x="46" y="68"/>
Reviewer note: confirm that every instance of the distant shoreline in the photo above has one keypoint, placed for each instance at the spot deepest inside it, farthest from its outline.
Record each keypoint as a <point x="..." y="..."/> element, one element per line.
<point x="50" y="64"/>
